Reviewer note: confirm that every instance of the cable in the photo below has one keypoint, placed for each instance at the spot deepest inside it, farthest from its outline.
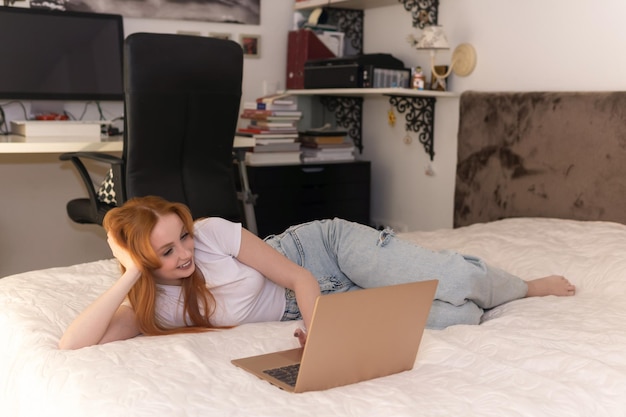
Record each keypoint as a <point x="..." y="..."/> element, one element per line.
<point x="3" y="119"/>
<point x="84" y="110"/>
<point x="100" y="111"/>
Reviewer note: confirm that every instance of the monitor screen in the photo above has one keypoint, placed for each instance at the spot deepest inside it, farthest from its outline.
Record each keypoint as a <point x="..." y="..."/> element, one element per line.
<point x="52" y="55"/>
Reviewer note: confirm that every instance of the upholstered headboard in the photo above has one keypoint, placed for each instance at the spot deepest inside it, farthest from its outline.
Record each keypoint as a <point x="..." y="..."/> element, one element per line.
<point x="541" y="154"/>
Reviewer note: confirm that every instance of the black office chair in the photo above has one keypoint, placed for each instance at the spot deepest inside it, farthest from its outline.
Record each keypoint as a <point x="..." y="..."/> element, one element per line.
<point x="182" y="96"/>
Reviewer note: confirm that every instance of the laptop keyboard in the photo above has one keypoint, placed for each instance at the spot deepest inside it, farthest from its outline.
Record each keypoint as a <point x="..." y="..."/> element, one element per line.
<point x="287" y="374"/>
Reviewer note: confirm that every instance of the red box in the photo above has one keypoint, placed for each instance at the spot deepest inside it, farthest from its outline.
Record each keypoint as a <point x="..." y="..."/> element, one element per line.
<point x="302" y="45"/>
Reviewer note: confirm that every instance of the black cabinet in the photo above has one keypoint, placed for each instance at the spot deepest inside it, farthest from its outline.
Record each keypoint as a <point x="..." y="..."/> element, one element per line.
<point x="292" y="194"/>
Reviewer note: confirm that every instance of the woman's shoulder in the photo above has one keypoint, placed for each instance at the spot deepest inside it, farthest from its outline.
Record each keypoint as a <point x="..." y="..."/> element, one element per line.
<point x="214" y="223"/>
<point x="217" y="234"/>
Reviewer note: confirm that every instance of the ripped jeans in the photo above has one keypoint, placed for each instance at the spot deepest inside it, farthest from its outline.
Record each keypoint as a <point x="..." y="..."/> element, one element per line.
<point x="346" y="256"/>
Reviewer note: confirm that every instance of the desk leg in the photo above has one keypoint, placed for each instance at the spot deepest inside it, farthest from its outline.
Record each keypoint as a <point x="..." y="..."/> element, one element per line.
<point x="246" y="194"/>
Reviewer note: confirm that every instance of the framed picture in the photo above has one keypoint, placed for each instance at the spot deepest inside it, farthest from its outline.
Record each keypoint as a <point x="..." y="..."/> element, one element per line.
<point x="246" y="12"/>
<point x="251" y="45"/>
<point x="219" y="35"/>
<point x="188" y="32"/>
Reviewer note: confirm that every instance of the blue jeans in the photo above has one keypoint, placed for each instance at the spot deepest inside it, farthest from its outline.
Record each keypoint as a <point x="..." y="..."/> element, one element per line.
<point x="345" y="256"/>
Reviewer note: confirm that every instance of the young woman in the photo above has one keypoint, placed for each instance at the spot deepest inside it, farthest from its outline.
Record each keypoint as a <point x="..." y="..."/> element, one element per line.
<point x="180" y="276"/>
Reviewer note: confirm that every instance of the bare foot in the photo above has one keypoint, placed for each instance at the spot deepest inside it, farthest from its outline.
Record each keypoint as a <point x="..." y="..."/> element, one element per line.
<point x="550" y="285"/>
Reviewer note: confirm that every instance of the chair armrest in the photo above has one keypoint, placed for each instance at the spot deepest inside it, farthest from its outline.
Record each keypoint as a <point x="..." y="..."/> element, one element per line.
<point x="117" y="167"/>
<point x="101" y="157"/>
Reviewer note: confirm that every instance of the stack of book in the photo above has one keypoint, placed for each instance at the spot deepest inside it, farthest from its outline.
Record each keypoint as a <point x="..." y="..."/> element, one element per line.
<point x="326" y="145"/>
<point x="273" y="123"/>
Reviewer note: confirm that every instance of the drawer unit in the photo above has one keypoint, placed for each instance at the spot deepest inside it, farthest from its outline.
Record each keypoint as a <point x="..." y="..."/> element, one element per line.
<point x="292" y="194"/>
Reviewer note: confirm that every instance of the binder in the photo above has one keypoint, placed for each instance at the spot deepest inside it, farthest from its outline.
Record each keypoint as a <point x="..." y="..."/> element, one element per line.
<point x="302" y="45"/>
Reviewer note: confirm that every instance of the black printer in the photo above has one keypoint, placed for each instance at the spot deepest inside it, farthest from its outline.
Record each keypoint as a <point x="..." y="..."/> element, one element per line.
<point x="358" y="71"/>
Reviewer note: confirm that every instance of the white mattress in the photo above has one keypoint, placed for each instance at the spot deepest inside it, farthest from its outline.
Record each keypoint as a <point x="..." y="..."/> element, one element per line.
<point x="532" y="357"/>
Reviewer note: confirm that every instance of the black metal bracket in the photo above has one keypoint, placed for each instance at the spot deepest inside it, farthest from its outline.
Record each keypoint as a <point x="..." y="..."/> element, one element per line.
<point x="348" y="114"/>
<point x="350" y="22"/>
<point x="424" y="12"/>
<point x="420" y="118"/>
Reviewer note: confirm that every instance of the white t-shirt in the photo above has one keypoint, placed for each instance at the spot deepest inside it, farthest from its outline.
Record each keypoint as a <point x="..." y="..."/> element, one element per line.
<point x="242" y="295"/>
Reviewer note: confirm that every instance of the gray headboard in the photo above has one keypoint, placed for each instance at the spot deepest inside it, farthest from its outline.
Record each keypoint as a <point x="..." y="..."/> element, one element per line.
<point x="541" y="154"/>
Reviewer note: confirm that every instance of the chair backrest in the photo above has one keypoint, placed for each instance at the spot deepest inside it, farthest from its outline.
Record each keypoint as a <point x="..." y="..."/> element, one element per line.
<point x="182" y="97"/>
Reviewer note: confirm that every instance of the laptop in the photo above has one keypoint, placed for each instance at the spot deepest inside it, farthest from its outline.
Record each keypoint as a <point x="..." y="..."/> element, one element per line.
<point x="354" y="336"/>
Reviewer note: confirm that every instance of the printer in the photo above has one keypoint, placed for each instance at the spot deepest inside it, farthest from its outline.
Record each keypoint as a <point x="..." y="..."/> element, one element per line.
<point x="358" y="71"/>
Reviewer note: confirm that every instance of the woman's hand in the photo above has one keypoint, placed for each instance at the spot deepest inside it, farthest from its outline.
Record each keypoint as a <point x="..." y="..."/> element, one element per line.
<point x="301" y="335"/>
<point x="121" y="254"/>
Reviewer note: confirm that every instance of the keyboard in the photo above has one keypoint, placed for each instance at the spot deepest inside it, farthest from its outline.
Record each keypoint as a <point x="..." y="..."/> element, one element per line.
<point x="287" y="374"/>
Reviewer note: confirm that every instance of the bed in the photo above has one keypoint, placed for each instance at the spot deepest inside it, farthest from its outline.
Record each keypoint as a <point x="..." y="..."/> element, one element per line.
<point x="550" y="356"/>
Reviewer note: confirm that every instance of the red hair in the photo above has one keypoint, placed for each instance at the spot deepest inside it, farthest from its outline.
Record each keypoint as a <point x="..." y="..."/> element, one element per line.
<point x="131" y="226"/>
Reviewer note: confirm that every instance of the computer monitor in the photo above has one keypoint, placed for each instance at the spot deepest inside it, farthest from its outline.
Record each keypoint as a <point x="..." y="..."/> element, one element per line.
<point x="53" y="55"/>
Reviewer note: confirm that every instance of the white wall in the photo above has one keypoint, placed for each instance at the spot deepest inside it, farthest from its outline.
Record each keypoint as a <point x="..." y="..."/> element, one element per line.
<point x="521" y="45"/>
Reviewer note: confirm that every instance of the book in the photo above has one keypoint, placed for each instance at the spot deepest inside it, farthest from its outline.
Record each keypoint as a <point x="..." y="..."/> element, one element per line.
<point x="270" y="118"/>
<point x="328" y="151"/>
<point x="327" y="156"/>
<point x="324" y="158"/>
<point x="279" y="146"/>
<point x="244" y="141"/>
<point x="261" y="130"/>
<point x="324" y="134"/>
<point x="269" y="135"/>
<point x="271" y="123"/>
<point x="276" y="106"/>
<point x="272" y="158"/>
<point x="269" y="141"/>
<point x="310" y="139"/>
<point x="278" y="98"/>
<point x="290" y="128"/>
<point x="331" y="147"/>
<point x="268" y="114"/>
<point x="326" y="130"/>
<point x="253" y="105"/>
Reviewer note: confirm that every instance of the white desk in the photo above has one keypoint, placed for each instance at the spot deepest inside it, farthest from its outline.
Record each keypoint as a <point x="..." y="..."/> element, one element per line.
<point x="21" y="145"/>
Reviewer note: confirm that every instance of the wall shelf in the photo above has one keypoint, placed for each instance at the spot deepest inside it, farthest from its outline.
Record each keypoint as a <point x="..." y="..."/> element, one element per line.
<point x="424" y="12"/>
<point x="364" y="92"/>
<point x="345" y="4"/>
<point x="347" y="105"/>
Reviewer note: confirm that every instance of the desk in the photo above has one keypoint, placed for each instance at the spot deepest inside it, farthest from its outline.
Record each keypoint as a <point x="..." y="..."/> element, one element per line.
<point x="35" y="231"/>
<point x="16" y="144"/>
<point x="20" y="145"/>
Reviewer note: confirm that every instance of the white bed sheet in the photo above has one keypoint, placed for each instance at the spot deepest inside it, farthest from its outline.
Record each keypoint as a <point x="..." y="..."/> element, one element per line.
<point x="533" y="357"/>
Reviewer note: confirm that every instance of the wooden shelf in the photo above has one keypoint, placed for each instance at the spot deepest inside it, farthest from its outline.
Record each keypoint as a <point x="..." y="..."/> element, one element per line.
<point x="344" y="4"/>
<point x="419" y="106"/>
<point x="361" y="92"/>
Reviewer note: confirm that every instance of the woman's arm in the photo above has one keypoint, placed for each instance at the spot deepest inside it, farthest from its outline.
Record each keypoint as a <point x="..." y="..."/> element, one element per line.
<point x="257" y="254"/>
<point x="106" y="320"/>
